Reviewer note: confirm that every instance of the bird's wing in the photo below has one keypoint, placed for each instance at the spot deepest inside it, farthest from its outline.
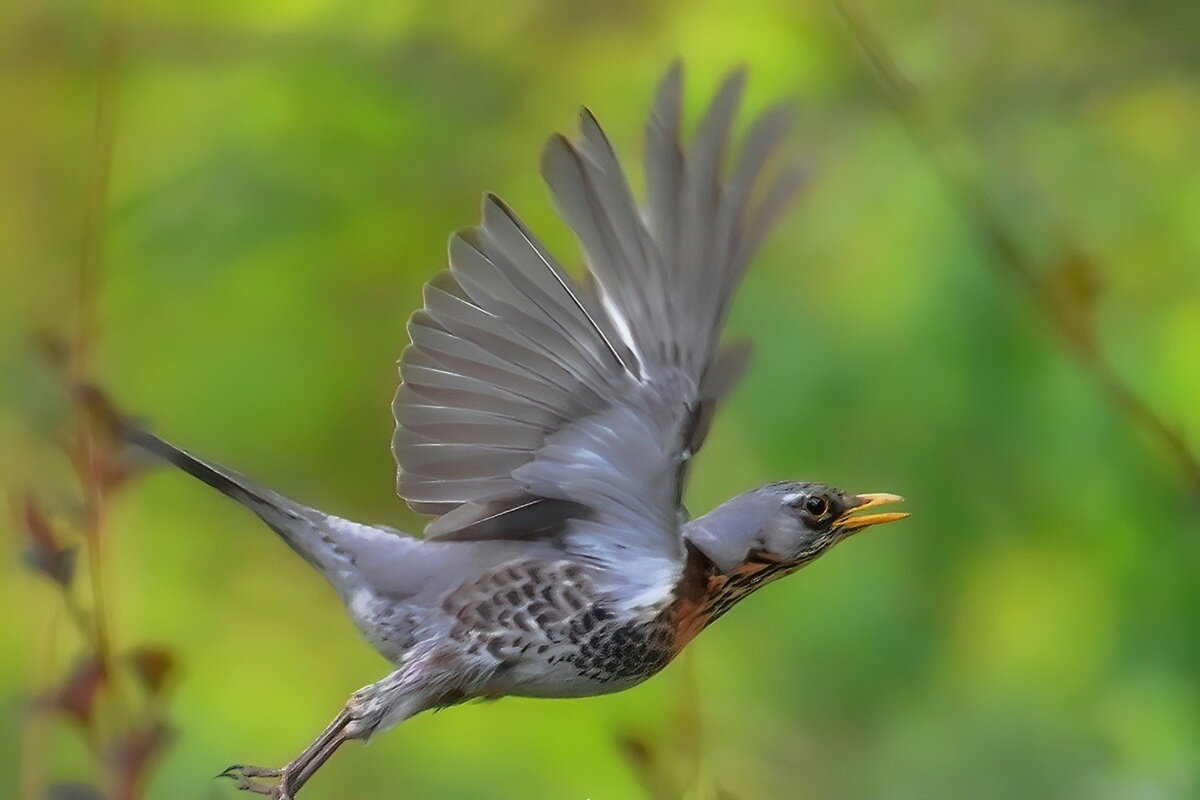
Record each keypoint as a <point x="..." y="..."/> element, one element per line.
<point x="533" y="405"/>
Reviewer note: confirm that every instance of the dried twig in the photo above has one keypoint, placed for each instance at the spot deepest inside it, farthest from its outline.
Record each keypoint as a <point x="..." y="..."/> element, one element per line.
<point x="1063" y="295"/>
<point x="126" y="732"/>
<point x="84" y="449"/>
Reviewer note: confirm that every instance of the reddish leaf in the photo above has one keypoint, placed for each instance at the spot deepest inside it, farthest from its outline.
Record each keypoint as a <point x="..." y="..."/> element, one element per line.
<point x="133" y="755"/>
<point x="44" y="554"/>
<point x="103" y="419"/>
<point x="101" y="458"/>
<point x="76" y="697"/>
<point x="637" y="751"/>
<point x="646" y="763"/>
<point x="153" y="666"/>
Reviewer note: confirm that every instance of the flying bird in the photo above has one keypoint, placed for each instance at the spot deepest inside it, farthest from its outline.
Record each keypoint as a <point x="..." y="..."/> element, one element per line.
<point x="547" y="425"/>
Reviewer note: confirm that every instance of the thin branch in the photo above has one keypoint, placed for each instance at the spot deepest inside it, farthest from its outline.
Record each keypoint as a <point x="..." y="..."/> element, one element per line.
<point x="1065" y="314"/>
<point x="126" y="731"/>
<point x="87" y="334"/>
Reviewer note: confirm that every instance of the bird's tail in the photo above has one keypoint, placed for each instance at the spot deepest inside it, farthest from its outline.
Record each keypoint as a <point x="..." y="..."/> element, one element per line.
<point x="325" y="541"/>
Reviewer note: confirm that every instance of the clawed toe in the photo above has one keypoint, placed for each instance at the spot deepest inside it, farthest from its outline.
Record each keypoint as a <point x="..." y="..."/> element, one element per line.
<point x="239" y="771"/>
<point x="283" y="783"/>
<point x="244" y="777"/>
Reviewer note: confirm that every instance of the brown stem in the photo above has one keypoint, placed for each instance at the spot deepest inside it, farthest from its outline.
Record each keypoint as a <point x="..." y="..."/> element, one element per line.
<point x="87" y="334"/>
<point x="1065" y="322"/>
<point x="95" y="211"/>
<point x="90" y="442"/>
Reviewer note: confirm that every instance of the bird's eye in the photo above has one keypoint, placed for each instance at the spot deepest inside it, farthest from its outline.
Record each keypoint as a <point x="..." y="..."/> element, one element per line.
<point x="816" y="505"/>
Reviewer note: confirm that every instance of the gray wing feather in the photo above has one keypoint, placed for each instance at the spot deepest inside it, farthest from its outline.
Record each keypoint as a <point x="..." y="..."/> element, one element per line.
<point x="533" y="405"/>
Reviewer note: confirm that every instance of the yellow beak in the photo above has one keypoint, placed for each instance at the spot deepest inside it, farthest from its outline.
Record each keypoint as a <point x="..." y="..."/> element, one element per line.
<point x="853" y="521"/>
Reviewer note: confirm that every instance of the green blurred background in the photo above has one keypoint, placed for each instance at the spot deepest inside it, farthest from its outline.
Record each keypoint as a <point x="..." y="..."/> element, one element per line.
<point x="284" y="176"/>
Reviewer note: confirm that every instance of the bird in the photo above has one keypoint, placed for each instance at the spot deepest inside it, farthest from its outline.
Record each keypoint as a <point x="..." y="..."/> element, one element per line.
<point x="546" y="423"/>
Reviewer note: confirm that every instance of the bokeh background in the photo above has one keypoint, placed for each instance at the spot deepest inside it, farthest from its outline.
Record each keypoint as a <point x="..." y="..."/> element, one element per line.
<point x="258" y="192"/>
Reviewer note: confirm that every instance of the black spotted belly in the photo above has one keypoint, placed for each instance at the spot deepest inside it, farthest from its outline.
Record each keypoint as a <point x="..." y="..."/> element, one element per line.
<point x="623" y="653"/>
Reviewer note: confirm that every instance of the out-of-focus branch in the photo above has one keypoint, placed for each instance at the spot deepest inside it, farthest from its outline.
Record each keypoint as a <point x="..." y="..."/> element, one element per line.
<point x="669" y="764"/>
<point x="117" y="700"/>
<point x="1063" y="296"/>
<point x="84" y="448"/>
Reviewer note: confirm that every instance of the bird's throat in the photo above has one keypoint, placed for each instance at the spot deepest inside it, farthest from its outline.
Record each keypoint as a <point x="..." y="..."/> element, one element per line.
<point x="705" y="593"/>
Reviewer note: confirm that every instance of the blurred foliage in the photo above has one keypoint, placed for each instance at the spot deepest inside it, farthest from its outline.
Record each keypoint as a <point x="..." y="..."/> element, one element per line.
<point x="259" y="191"/>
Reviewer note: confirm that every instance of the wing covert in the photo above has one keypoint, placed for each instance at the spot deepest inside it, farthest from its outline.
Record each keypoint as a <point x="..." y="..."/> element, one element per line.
<point x="533" y="405"/>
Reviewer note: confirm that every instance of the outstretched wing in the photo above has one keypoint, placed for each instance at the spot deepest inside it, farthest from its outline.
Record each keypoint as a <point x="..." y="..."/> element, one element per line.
<point x="534" y="406"/>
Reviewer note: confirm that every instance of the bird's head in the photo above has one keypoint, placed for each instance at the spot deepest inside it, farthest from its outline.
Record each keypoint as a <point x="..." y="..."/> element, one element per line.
<point x="785" y="524"/>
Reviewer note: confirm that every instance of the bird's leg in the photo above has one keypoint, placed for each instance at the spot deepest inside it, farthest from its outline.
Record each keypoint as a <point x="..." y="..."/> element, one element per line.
<point x="292" y="776"/>
<point x="381" y="704"/>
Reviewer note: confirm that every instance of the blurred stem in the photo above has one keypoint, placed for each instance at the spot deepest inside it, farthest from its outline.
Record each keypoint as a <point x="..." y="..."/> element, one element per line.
<point x="1068" y="326"/>
<point x="87" y="333"/>
<point x="95" y="211"/>
<point x="76" y="613"/>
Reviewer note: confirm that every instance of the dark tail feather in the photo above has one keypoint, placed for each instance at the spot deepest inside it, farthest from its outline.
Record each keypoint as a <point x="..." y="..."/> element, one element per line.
<point x="306" y="530"/>
<point x="225" y="481"/>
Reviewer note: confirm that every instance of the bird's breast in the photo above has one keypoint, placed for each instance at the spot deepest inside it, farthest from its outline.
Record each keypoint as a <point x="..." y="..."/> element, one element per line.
<point x="704" y="593"/>
<point x="553" y="631"/>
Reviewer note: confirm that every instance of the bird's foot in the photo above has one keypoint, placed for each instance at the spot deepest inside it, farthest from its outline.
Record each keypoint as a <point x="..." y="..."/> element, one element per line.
<point x="360" y="718"/>
<point x="248" y="779"/>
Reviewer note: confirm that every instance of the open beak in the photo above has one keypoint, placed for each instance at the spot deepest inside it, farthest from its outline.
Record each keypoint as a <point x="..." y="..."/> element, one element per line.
<point x="853" y="521"/>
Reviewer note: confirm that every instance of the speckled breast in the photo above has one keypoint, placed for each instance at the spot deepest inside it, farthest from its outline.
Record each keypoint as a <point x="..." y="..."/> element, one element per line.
<point x="623" y="653"/>
<point x="555" y="633"/>
<point x="552" y="631"/>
